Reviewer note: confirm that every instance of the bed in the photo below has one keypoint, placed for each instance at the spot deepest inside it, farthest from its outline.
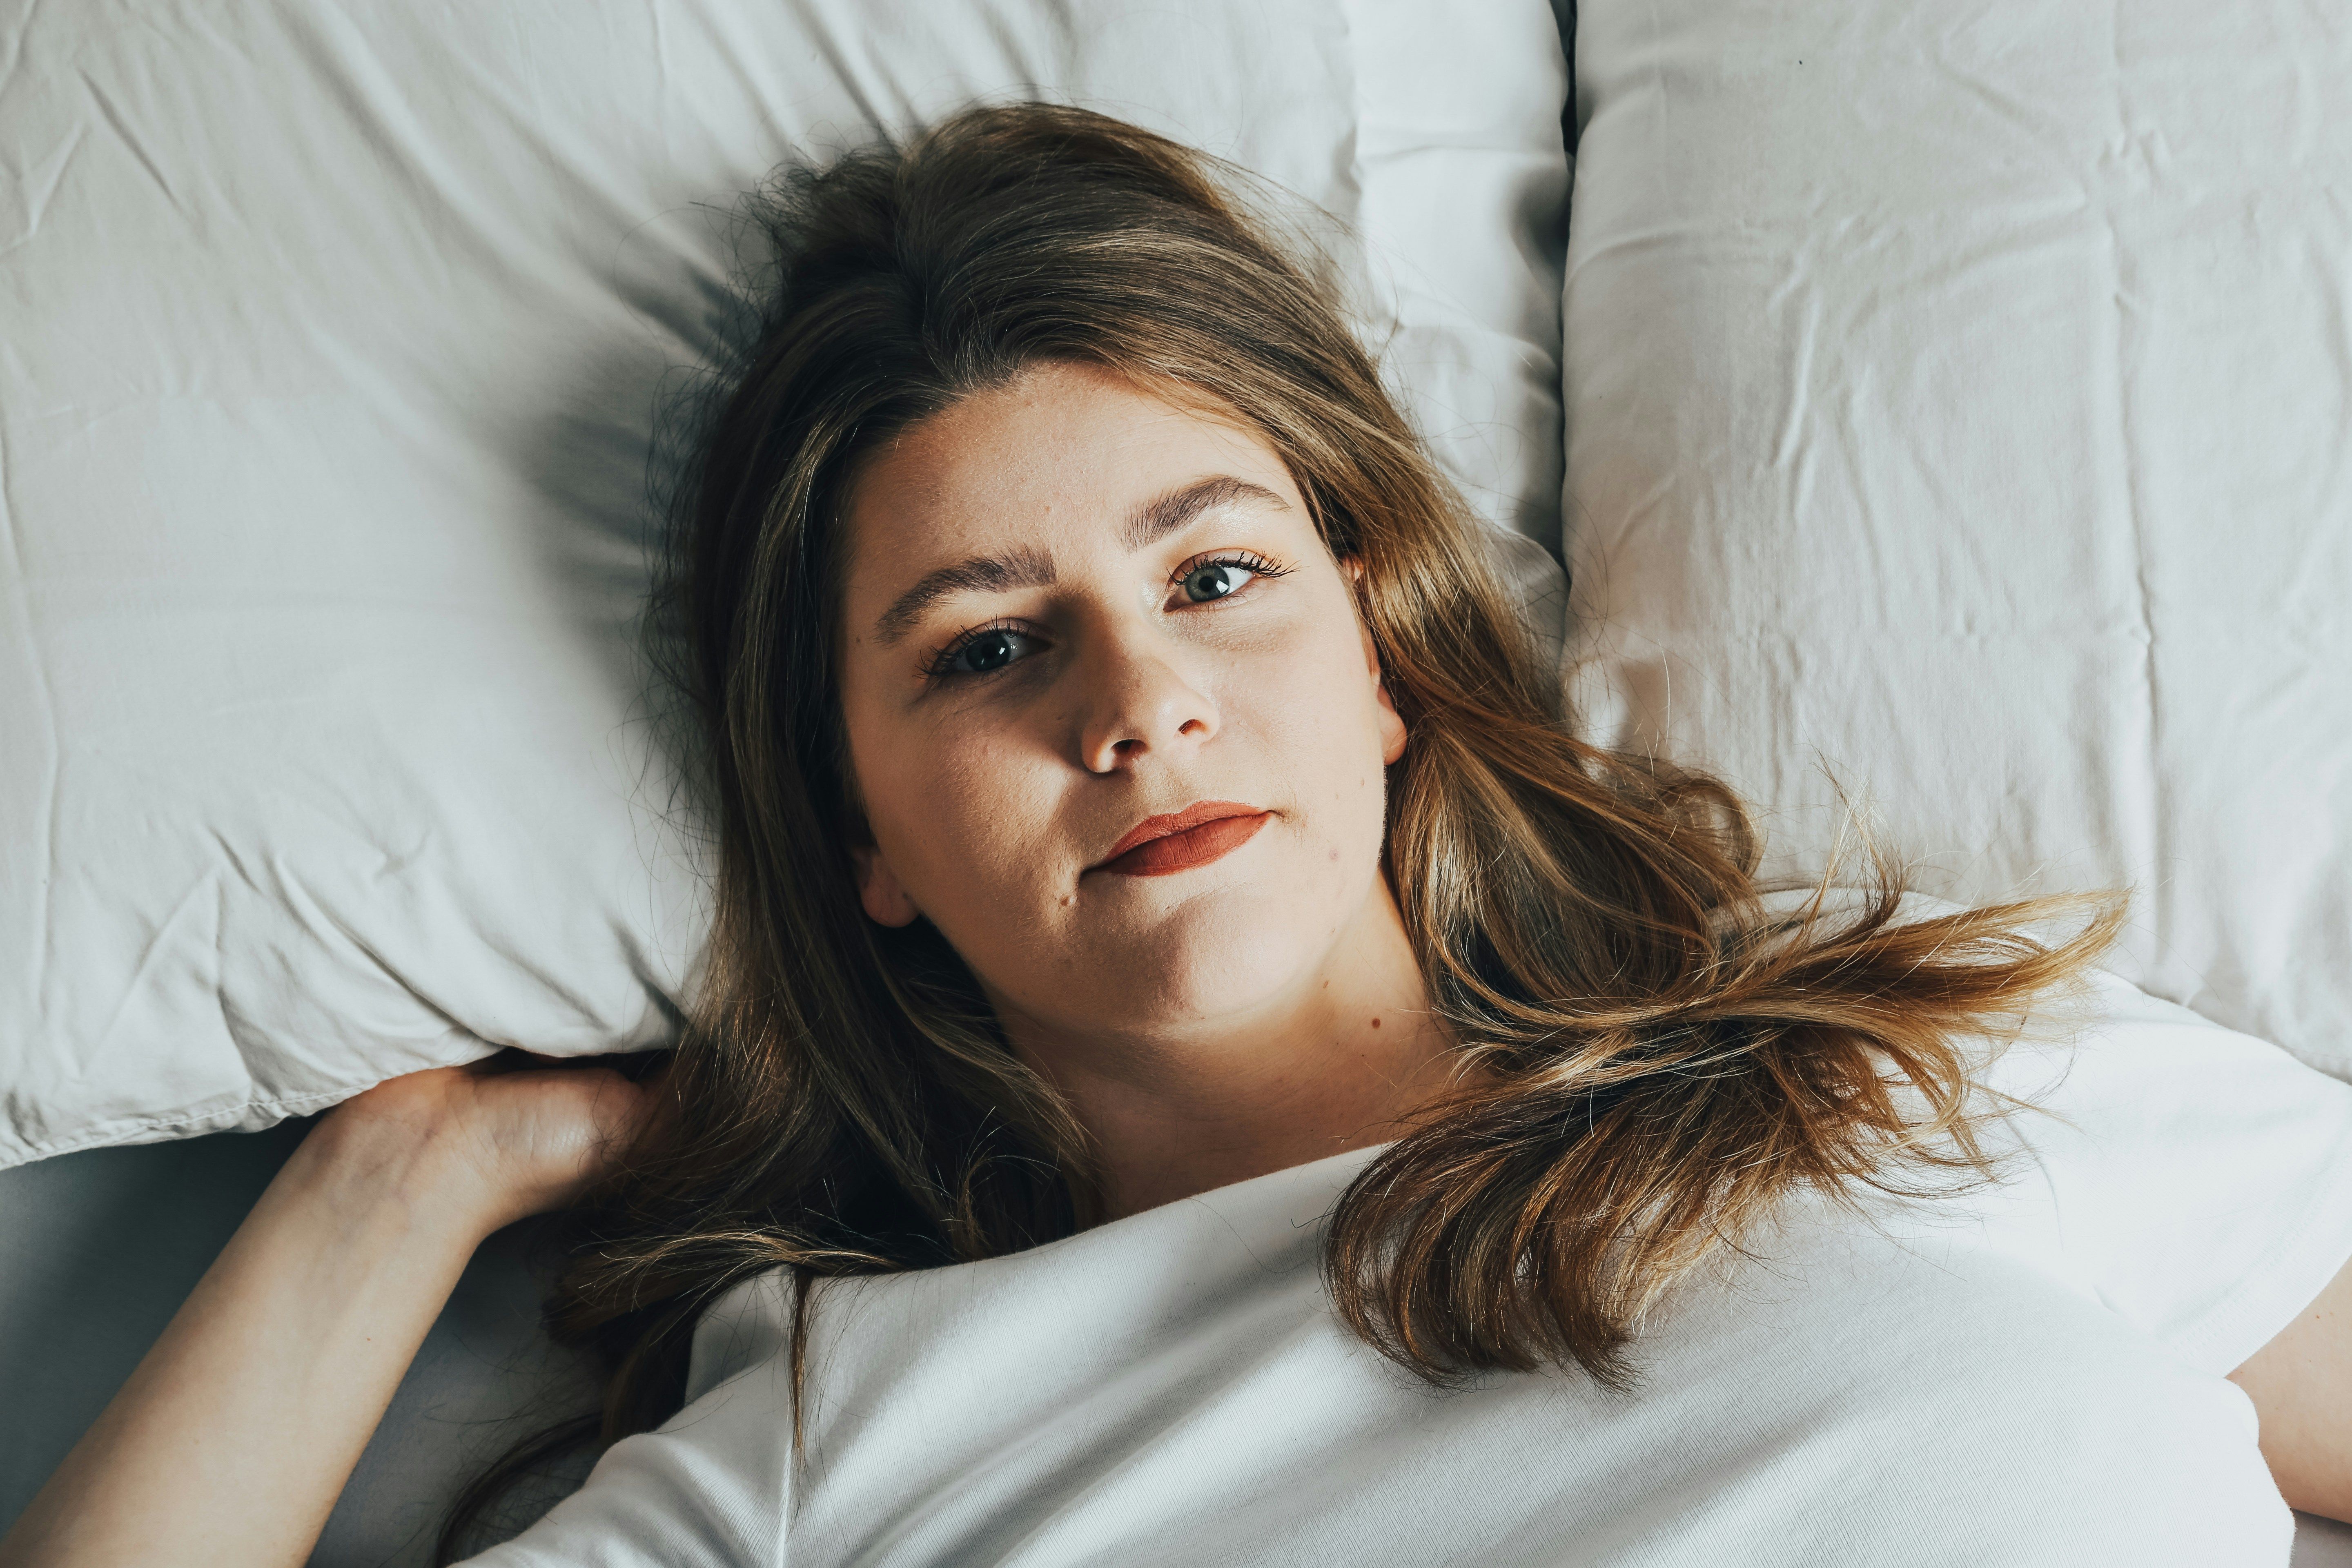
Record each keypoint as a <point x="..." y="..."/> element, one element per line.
<point x="1939" y="410"/>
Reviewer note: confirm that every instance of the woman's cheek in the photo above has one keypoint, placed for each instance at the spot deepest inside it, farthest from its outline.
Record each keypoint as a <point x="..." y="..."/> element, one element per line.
<point x="1319" y="726"/>
<point x="985" y="853"/>
<point x="1316" y="681"/>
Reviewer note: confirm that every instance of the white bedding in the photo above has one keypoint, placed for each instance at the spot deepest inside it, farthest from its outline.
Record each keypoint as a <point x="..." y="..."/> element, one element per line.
<point x="1960" y="404"/>
<point x="333" y="337"/>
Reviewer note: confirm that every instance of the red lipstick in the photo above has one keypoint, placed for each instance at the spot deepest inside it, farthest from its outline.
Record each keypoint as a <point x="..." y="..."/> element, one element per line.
<point x="1180" y="840"/>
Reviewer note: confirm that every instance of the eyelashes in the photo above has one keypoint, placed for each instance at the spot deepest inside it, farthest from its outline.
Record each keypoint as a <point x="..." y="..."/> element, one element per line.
<point x="1213" y="575"/>
<point x="993" y="645"/>
<point x="981" y="650"/>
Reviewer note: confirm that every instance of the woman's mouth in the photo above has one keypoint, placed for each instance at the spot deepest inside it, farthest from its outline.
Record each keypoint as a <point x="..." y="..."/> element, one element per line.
<point x="1179" y="841"/>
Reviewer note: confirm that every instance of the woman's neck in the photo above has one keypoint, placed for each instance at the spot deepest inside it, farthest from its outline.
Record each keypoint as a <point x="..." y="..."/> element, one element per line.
<point x="1336" y="1063"/>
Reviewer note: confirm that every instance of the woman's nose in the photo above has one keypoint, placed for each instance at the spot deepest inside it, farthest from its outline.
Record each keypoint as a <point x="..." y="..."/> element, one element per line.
<point x="1138" y="704"/>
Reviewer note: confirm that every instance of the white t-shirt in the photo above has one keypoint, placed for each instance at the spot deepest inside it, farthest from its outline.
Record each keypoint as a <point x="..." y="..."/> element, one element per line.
<point x="2032" y="1374"/>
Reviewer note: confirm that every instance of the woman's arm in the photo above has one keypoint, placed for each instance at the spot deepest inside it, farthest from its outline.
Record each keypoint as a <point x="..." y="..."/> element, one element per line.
<point x="2301" y="1384"/>
<point x="232" y="1440"/>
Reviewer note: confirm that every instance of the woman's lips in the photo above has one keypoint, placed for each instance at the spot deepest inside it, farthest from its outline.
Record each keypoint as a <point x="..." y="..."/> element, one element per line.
<point x="1182" y="840"/>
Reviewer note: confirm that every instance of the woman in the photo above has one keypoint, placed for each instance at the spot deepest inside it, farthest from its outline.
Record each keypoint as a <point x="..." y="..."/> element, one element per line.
<point x="1197" y="1064"/>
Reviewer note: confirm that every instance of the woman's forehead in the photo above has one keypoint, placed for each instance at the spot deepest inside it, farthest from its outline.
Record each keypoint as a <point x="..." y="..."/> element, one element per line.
<point x="1063" y="454"/>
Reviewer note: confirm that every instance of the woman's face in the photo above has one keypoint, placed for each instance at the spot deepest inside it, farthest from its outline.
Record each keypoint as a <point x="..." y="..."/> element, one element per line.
<point x="1118" y="726"/>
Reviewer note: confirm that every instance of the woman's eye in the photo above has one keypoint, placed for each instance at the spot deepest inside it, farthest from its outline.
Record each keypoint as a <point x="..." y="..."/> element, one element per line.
<point x="989" y="650"/>
<point x="1214" y="580"/>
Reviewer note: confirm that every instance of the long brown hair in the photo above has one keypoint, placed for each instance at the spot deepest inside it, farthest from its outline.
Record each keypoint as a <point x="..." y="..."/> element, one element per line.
<point x="1662" y="1061"/>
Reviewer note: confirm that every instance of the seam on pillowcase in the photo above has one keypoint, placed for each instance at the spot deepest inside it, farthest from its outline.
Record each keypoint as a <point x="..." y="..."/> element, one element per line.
<point x="109" y="1134"/>
<point x="2317" y="1244"/>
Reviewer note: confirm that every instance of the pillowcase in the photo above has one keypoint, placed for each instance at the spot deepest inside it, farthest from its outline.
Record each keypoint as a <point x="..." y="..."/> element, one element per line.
<point x="1956" y="404"/>
<point x="336" y="335"/>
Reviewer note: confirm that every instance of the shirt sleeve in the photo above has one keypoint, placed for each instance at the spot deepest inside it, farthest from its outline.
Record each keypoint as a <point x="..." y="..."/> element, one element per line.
<point x="705" y="1489"/>
<point x="2198" y="1181"/>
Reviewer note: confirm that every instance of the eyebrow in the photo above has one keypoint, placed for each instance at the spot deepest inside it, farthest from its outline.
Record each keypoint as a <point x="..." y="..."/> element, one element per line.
<point x="1163" y="515"/>
<point x="1029" y="568"/>
<point x="1023" y="568"/>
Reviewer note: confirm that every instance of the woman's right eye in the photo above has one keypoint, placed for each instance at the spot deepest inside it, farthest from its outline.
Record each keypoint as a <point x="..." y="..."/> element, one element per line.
<point x="986" y="651"/>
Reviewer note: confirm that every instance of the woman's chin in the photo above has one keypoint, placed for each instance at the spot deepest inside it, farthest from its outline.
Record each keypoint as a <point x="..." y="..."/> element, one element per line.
<point x="1224" y="941"/>
<point x="1214" y="953"/>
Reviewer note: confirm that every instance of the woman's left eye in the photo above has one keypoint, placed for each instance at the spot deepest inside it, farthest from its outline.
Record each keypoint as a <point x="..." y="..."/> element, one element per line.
<point x="1220" y="579"/>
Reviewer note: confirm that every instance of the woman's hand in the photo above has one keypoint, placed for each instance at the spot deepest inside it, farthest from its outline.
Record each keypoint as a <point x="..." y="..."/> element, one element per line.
<point x="232" y="1440"/>
<point x="518" y="1136"/>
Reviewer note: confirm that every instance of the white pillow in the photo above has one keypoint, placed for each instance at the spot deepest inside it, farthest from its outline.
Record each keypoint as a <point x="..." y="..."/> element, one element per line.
<point x="334" y="340"/>
<point x="1958" y="398"/>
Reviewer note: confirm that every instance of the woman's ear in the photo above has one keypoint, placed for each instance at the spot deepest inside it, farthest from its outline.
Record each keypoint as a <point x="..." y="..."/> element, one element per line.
<point x="1392" y="731"/>
<point x="1392" y="721"/>
<point x="879" y="890"/>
